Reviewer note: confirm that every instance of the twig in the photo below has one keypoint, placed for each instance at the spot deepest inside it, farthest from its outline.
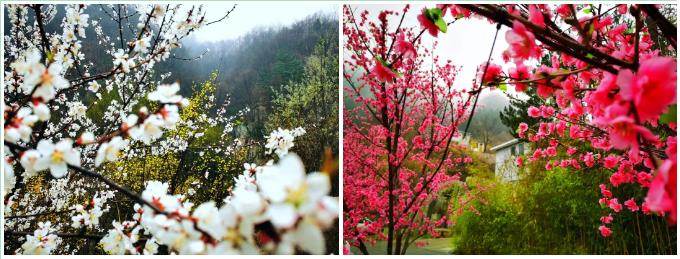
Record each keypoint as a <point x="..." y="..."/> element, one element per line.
<point x="223" y="17"/>
<point x="481" y="83"/>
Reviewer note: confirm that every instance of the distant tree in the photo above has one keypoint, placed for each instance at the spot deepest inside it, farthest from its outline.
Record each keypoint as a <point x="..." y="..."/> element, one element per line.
<point x="312" y="103"/>
<point x="516" y="113"/>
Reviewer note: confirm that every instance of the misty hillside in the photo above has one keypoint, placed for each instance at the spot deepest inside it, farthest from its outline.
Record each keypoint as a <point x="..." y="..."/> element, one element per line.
<point x="251" y="66"/>
<point x="486" y="126"/>
<point x="248" y="68"/>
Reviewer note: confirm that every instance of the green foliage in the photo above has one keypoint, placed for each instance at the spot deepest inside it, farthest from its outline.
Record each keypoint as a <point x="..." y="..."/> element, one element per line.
<point x="435" y="15"/>
<point x="670" y="115"/>
<point x="254" y="65"/>
<point x="554" y="212"/>
<point x="185" y="170"/>
<point x="311" y="103"/>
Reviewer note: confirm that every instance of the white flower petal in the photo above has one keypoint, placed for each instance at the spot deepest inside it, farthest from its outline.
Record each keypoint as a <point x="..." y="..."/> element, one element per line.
<point x="58" y="170"/>
<point x="282" y="215"/>
<point x="309" y="238"/>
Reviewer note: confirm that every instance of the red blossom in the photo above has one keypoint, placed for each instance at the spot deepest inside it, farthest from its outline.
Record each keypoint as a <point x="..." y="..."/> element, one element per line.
<point x="607" y="219"/>
<point x="536" y="16"/>
<point x="492" y="75"/>
<point x="519" y="161"/>
<point x="404" y="47"/>
<point x="383" y="73"/>
<point x="631" y="205"/>
<point x="534" y="112"/>
<point x="428" y="24"/>
<point x="523" y="127"/>
<point x="522" y="43"/>
<point x="615" y="205"/>
<point x="652" y="88"/>
<point x="663" y="191"/>
<point x="518" y="73"/>
<point x="605" y="231"/>
<point x="606" y="193"/>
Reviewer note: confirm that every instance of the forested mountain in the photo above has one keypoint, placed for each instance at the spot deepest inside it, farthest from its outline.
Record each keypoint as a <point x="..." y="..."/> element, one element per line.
<point x="251" y="66"/>
<point x="248" y="67"/>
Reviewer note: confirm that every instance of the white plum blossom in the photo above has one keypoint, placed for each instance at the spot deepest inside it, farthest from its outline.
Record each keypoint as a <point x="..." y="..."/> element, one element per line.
<point x="170" y="116"/>
<point x="93" y="86"/>
<point x="129" y="122"/>
<point x="42" y="242"/>
<point x="121" y="59"/>
<point x="149" y="130"/>
<point x="69" y="35"/>
<point x="86" y="217"/>
<point x="50" y="81"/>
<point x="35" y="73"/>
<point x="154" y="189"/>
<point x="166" y="93"/>
<point x="31" y="68"/>
<point x="299" y="131"/>
<point x="307" y="236"/>
<point x="41" y="110"/>
<point x="150" y="247"/>
<point x="119" y="240"/>
<point x="76" y="18"/>
<point x="296" y="196"/>
<point x="111" y="150"/>
<point x="245" y="181"/>
<point x="247" y="202"/>
<point x="21" y="126"/>
<point x="57" y="156"/>
<point x="250" y="168"/>
<point x="29" y="161"/>
<point x="295" y="203"/>
<point x="85" y="138"/>
<point x="207" y="218"/>
<point x="142" y="44"/>
<point x="281" y="140"/>
<point x="77" y="110"/>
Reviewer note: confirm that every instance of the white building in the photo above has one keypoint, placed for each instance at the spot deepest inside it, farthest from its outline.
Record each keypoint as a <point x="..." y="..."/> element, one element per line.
<point x="506" y="153"/>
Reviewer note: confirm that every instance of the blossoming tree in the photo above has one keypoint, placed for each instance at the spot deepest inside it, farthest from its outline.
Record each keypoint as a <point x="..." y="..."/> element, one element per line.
<point x="610" y="84"/>
<point x="398" y="140"/>
<point x="54" y="150"/>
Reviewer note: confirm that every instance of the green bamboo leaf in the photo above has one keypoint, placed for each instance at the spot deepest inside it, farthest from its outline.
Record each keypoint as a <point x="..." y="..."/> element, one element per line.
<point x="441" y="24"/>
<point x="670" y="115"/>
<point x="435" y="15"/>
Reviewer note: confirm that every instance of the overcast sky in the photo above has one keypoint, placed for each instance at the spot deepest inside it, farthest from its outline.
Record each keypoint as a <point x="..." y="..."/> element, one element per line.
<point x="467" y="42"/>
<point x="249" y="16"/>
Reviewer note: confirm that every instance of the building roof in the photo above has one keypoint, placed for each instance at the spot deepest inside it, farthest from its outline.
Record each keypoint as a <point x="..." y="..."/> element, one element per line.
<point x="506" y="144"/>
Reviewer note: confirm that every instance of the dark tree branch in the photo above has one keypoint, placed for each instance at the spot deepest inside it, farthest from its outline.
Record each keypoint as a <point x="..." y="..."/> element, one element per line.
<point x="669" y="30"/>
<point x="41" y="29"/>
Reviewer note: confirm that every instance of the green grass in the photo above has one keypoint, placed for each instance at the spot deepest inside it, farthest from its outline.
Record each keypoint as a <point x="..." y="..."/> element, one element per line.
<point x="437" y="246"/>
